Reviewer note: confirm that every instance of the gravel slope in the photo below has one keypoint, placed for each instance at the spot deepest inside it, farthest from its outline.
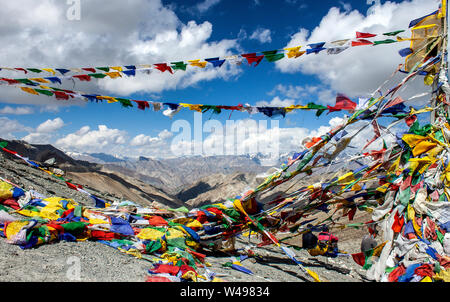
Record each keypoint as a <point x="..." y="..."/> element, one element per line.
<point x="98" y="262"/>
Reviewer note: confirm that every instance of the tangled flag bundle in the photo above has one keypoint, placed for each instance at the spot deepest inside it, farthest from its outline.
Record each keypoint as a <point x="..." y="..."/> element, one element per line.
<point x="404" y="186"/>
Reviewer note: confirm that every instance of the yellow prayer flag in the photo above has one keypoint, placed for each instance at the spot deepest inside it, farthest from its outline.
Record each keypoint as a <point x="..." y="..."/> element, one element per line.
<point x="118" y="68"/>
<point x="113" y="74"/>
<point x="110" y="99"/>
<point x="423" y="40"/>
<point x="49" y="70"/>
<point x="443" y="11"/>
<point x="413" y="139"/>
<point x="40" y="80"/>
<point x="29" y="90"/>
<point x="424" y="26"/>
<point x="198" y="63"/>
<point x="294" y="52"/>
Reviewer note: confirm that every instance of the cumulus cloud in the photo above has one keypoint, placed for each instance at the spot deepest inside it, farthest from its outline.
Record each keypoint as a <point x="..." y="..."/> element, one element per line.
<point x="358" y="71"/>
<point x="138" y="32"/>
<point x="87" y="140"/>
<point x="16" y="110"/>
<point x="145" y="140"/>
<point x="38" y="138"/>
<point x="11" y="127"/>
<point x="44" y="132"/>
<point x="247" y="136"/>
<point x="263" y="35"/>
<point x="50" y="125"/>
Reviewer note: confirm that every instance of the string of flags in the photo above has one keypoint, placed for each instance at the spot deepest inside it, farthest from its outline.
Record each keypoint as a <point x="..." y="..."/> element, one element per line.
<point x="253" y="59"/>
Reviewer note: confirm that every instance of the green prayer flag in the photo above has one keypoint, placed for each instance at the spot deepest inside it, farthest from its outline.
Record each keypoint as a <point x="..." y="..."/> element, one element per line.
<point x="404" y="195"/>
<point x="42" y="91"/>
<point x="3" y="144"/>
<point x="274" y="57"/>
<point x="97" y="75"/>
<point x="24" y="81"/>
<point x="269" y="52"/>
<point x="77" y="212"/>
<point x="393" y="33"/>
<point x="205" y="108"/>
<point x="180" y="209"/>
<point x="6" y="209"/>
<point x="74" y="228"/>
<point x="179" y="65"/>
<point x="34" y="70"/>
<point x="125" y="102"/>
<point x="153" y="246"/>
<point x="388" y="41"/>
<point x="103" y="68"/>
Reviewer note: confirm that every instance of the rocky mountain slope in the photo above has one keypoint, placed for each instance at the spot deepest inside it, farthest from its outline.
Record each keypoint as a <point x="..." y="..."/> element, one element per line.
<point x="110" y="186"/>
<point x="101" y="263"/>
<point x="174" y="174"/>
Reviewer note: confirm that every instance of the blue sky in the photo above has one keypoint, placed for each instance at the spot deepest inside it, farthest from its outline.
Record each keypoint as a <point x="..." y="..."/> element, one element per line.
<point x="151" y="31"/>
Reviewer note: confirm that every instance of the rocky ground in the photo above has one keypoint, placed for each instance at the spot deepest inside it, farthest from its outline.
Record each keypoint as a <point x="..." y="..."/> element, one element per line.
<point x="57" y="262"/>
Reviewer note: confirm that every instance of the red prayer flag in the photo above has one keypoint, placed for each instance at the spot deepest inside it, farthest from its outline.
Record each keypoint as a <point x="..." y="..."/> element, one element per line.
<point x="157" y="221"/>
<point x="253" y="58"/>
<point x="342" y="103"/>
<point x="398" y="223"/>
<point x="142" y="104"/>
<point x="101" y="235"/>
<point x="83" y="77"/>
<point x="351" y="213"/>
<point x="10" y="81"/>
<point x="410" y="120"/>
<point x="21" y="69"/>
<point x="166" y="269"/>
<point x="364" y="35"/>
<point x="361" y="42"/>
<point x="61" y="95"/>
<point x="9" y="151"/>
<point x="397" y="272"/>
<point x="313" y="141"/>
<point x="11" y="203"/>
<point x="163" y="67"/>
<point x="89" y="69"/>
<point x="359" y="258"/>
<point x="73" y="187"/>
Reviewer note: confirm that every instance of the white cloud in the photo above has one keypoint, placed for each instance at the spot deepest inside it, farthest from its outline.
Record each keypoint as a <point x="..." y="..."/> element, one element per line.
<point x="135" y="32"/>
<point x="263" y="35"/>
<point x="44" y="132"/>
<point x="357" y="71"/>
<point x="38" y="138"/>
<point x="165" y="134"/>
<point x="145" y="140"/>
<point x="50" y="125"/>
<point x="142" y="139"/>
<point x="16" y="110"/>
<point x="206" y="5"/>
<point x="11" y="127"/>
<point x="87" y="140"/>
<point x="276" y="102"/>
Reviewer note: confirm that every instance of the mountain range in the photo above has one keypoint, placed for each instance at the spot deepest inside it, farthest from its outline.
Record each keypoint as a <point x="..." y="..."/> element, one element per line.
<point x="184" y="181"/>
